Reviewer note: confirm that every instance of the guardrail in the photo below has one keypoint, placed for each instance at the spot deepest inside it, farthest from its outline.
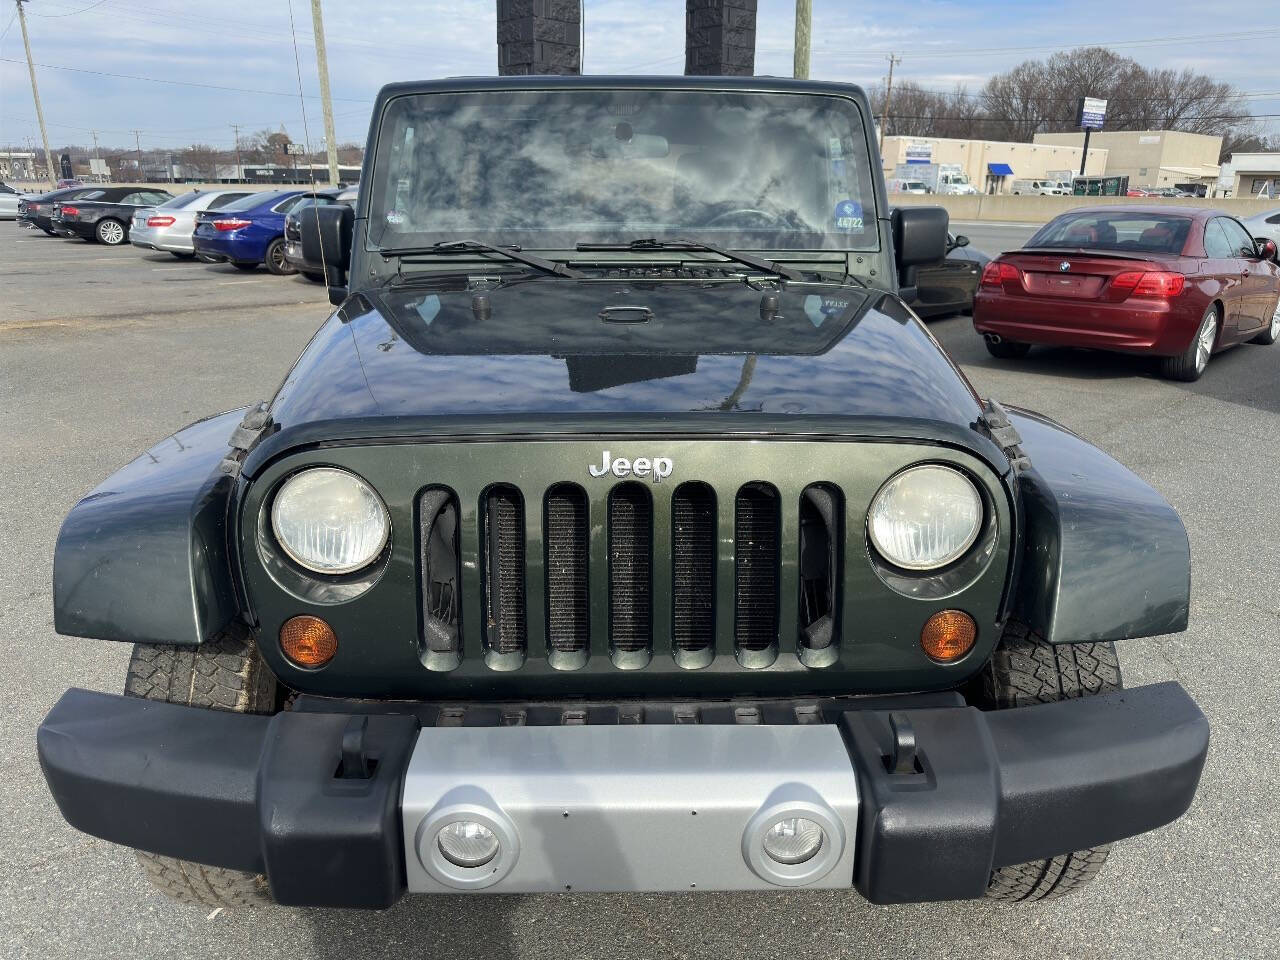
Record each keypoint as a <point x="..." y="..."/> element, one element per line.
<point x="1031" y="209"/>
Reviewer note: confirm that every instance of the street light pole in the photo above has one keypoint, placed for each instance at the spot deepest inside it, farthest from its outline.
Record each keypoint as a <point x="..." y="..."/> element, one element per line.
<point x="35" y="92"/>
<point x="326" y="103"/>
<point x="137" y="142"/>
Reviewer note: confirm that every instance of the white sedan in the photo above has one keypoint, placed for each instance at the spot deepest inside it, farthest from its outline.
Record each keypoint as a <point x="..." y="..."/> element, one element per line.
<point x="1265" y="224"/>
<point x="8" y="202"/>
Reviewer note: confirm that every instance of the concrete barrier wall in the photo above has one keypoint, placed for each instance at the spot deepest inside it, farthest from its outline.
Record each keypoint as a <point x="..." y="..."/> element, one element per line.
<point x="1026" y="209"/>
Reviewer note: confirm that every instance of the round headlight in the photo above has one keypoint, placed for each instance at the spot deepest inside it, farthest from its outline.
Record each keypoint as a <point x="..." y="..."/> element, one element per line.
<point x="925" y="517"/>
<point x="329" y="521"/>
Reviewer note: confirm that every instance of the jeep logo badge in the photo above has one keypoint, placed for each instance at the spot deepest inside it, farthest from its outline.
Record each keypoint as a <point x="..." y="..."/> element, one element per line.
<point x="658" y="467"/>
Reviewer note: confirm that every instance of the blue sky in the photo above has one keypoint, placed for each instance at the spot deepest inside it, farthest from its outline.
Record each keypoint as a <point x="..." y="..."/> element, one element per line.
<point x="235" y="43"/>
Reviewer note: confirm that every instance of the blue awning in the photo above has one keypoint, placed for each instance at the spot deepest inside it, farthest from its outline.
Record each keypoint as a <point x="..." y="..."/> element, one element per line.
<point x="1000" y="169"/>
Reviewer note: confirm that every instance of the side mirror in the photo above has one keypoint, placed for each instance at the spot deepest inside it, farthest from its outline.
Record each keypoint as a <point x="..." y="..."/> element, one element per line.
<point x="1266" y="248"/>
<point x="960" y="240"/>
<point x="326" y="239"/>
<point x="919" y="238"/>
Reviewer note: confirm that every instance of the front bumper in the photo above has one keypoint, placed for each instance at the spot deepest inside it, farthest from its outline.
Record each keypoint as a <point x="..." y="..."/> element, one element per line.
<point x="919" y="796"/>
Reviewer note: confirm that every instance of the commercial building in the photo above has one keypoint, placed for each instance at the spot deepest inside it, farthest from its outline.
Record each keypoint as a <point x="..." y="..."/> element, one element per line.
<point x="18" y="165"/>
<point x="1252" y="175"/>
<point x="993" y="165"/>
<point x="1152" y="158"/>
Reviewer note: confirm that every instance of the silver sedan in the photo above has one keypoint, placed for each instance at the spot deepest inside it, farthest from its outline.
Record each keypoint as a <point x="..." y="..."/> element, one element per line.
<point x="169" y="226"/>
<point x="8" y="202"/>
<point x="1266" y="224"/>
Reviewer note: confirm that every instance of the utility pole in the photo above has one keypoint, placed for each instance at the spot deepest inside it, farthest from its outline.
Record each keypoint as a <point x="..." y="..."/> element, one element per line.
<point x="804" y="23"/>
<point x="322" y="63"/>
<point x="35" y="92"/>
<point x="96" y="154"/>
<point x="137" y="142"/>
<point x="888" y="94"/>
<point x="235" y="128"/>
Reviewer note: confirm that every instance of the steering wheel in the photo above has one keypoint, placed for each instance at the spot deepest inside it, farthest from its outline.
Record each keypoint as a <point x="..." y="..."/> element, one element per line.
<point x="765" y="219"/>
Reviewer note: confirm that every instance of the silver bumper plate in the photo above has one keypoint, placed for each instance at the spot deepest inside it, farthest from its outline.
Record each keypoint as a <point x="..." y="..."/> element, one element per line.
<point x="596" y="808"/>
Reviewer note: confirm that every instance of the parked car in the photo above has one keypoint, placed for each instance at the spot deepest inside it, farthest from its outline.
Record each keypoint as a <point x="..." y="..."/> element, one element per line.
<point x="568" y="557"/>
<point x="1266" y="225"/>
<point x="247" y="232"/>
<point x="9" y="199"/>
<point x="293" y="237"/>
<point x="169" y="226"/>
<point x="947" y="286"/>
<point x="36" y="212"/>
<point x="1040" y="188"/>
<point x="1177" y="283"/>
<point x="103" y="219"/>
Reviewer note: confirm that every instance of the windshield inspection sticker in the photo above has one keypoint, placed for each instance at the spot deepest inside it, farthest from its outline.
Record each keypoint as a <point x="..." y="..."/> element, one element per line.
<point x="395" y="217"/>
<point x="848" y="216"/>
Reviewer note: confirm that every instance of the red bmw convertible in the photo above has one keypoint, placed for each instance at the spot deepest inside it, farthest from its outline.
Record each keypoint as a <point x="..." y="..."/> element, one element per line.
<point x="1175" y="282"/>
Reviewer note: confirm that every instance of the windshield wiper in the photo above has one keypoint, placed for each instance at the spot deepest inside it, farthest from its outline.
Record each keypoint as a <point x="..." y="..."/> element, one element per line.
<point x="697" y="246"/>
<point x="475" y="246"/>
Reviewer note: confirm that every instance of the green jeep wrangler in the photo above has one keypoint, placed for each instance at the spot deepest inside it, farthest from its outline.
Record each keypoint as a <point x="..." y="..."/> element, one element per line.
<point x="622" y="530"/>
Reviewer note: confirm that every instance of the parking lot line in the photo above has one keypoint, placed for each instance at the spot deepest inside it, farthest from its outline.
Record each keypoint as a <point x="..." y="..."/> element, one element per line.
<point x="231" y="283"/>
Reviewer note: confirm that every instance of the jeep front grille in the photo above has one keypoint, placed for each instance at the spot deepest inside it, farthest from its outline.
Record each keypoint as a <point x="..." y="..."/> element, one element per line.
<point x="636" y="585"/>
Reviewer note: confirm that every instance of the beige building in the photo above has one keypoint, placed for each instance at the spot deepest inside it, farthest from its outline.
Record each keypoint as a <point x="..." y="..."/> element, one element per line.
<point x="992" y="165"/>
<point x="1252" y="175"/>
<point x="1151" y="158"/>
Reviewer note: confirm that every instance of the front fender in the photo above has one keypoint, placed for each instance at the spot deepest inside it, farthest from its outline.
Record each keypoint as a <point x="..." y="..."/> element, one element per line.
<point x="1105" y="556"/>
<point x="144" y="557"/>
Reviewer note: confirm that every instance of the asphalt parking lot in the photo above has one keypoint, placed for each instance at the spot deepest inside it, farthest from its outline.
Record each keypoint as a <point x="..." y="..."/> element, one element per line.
<point x="103" y="351"/>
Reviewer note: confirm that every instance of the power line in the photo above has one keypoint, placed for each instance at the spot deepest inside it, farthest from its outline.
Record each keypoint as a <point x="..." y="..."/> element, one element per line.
<point x="179" y="83"/>
<point x="55" y="16"/>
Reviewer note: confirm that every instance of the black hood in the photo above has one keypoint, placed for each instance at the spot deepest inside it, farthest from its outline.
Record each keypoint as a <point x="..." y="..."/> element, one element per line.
<point x="611" y="355"/>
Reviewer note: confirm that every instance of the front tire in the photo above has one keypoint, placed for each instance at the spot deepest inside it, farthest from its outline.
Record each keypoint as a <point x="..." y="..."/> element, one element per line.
<point x="1191" y="363"/>
<point x="275" y="260"/>
<point x="1024" y="670"/>
<point x="225" y="673"/>
<point x="110" y="232"/>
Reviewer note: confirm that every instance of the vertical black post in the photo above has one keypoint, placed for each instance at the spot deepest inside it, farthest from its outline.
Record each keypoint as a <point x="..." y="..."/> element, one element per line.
<point x="1084" y="154"/>
<point x="539" y="36"/>
<point x="720" y="37"/>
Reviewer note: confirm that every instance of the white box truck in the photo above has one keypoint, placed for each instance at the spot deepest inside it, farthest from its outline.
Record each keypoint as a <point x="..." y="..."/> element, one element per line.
<point x="938" y="177"/>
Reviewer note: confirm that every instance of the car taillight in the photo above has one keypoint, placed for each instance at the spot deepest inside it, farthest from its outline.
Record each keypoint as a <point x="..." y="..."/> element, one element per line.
<point x="73" y="211"/>
<point x="230" y="224"/>
<point x="995" y="273"/>
<point x="159" y="221"/>
<point x="1137" y="283"/>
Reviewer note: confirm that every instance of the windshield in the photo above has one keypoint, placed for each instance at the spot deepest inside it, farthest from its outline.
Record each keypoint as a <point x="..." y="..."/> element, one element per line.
<point x="548" y="169"/>
<point x="184" y="200"/>
<point x="1139" y="232"/>
<point x="251" y="201"/>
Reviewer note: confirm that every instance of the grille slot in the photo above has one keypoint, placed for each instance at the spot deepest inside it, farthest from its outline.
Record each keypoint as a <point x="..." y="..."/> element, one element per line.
<point x="821" y="513"/>
<point x="441" y="572"/>
<point x="693" y="573"/>
<point x="567" y="534"/>
<point x="630" y="574"/>
<point x="757" y="535"/>
<point x="504" y="593"/>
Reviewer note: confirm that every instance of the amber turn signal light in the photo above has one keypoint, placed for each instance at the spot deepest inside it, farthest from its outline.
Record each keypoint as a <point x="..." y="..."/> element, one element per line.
<point x="948" y="635"/>
<point x="308" y="641"/>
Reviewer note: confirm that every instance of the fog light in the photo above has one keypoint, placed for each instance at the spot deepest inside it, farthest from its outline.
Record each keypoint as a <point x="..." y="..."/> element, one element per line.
<point x="308" y="641"/>
<point x="465" y="843"/>
<point x="948" y="635"/>
<point x="793" y="841"/>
